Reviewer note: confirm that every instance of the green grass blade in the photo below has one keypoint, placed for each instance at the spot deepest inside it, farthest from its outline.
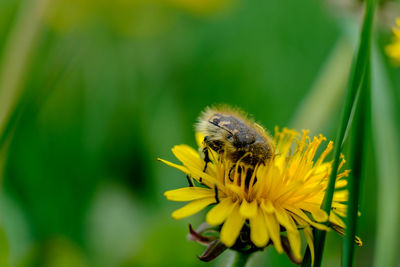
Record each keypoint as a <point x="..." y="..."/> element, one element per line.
<point x="386" y="131"/>
<point x="357" y="154"/>
<point x="356" y="78"/>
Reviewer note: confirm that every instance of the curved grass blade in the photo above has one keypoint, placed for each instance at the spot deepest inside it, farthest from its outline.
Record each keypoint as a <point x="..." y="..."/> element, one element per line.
<point x="354" y="87"/>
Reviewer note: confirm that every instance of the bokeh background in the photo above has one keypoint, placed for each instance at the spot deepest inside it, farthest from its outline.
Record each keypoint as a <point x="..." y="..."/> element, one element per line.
<point x="93" y="92"/>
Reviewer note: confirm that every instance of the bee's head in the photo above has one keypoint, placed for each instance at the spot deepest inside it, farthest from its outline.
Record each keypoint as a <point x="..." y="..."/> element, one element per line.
<point x="234" y="131"/>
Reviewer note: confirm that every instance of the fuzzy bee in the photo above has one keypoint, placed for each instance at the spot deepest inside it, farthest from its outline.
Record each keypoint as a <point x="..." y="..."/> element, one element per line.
<point x="230" y="132"/>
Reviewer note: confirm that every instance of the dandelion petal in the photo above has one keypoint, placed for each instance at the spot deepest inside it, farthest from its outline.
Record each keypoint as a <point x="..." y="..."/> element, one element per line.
<point x="188" y="193"/>
<point x="188" y="156"/>
<point x="247" y="209"/>
<point x="284" y="219"/>
<point x="317" y="213"/>
<point x="309" y="238"/>
<point x="267" y="206"/>
<point x="232" y="226"/>
<point x="176" y="166"/>
<point x="258" y="230"/>
<point x="273" y="229"/>
<point x="295" y="243"/>
<point x="220" y="212"/>
<point x="192" y="208"/>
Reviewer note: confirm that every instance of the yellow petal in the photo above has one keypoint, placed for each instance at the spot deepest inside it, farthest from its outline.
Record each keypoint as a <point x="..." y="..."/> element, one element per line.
<point x="247" y="209"/>
<point x="232" y="226"/>
<point x="220" y="212"/>
<point x="205" y="178"/>
<point x="274" y="230"/>
<point x="318" y="214"/>
<point x="310" y="241"/>
<point x="199" y="139"/>
<point x="189" y="193"/>
<point x="336" y="220"/>
<point x="283" y="219"/>
<point x="258" y="230"/>
<point x="192" y="208"/>
<point x="267" y="206"/>
<point x="340" y="212"/>
<point x="341" y="196"/>
<point x="340" y="184"/>
<point x="176" y="166"/>
<point x="295" y="243"/>
<point x="283" y="142"/>
<point x="188" y="156"/>
<point x="300" y="214"/>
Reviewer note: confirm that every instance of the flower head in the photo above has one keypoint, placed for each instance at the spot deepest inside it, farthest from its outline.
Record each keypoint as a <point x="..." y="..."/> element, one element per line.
<point x="393" y="49"/>
<point x="273" y="202"/>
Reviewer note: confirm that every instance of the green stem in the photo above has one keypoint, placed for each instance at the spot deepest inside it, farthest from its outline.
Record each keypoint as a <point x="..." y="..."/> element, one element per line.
<point x="240" y="259"/>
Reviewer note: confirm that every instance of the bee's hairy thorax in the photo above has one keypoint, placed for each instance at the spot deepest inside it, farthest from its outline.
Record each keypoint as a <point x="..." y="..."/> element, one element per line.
<point x="234" y="136"/>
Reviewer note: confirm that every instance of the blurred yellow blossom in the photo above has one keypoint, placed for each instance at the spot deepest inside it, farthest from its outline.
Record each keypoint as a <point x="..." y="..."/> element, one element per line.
<point x="205" y="7"/>
<point x="393" y="49"/>
<point x="129" y="17"/>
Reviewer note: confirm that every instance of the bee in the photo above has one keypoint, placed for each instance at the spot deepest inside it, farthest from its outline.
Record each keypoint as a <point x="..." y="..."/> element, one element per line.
<point x="229" y="132"/>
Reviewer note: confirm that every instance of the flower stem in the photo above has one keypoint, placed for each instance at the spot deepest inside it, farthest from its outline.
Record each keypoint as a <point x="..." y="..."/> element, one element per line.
<point x="240" y="259"/>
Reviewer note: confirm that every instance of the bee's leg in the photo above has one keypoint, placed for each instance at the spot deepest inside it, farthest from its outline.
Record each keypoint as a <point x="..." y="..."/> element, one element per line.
<point x="230" y="172"/>
<point x="206" y="158"/>
<point x="206" y="152"/>
<point x="190" y="181"/>
<point x="216" y="193"/>
<point x="249" y="174"/>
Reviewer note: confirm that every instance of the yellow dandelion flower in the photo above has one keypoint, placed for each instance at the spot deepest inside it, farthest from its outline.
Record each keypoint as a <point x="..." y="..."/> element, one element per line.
<point x="279" y="200"/>
<point x="393" y="49"/>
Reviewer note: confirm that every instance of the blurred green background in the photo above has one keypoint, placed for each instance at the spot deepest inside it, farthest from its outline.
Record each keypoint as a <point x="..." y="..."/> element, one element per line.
<point x="97" y="90"/>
